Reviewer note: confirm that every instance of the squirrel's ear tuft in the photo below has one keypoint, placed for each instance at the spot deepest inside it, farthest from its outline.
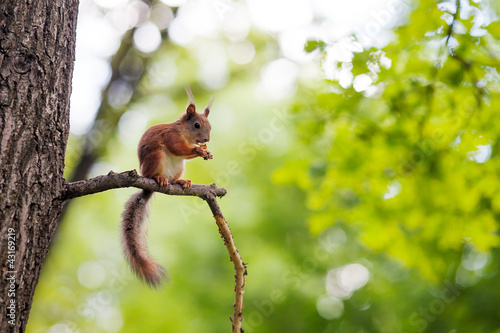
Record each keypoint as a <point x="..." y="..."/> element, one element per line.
<point x="190" y="95"/>
<point x="191" y="109"/>
<point x="207" y="109"/>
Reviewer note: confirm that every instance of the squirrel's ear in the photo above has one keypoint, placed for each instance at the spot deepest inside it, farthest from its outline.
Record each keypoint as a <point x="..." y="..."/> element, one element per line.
<point x="207" y="109"/>
<point x="190" y="110"/>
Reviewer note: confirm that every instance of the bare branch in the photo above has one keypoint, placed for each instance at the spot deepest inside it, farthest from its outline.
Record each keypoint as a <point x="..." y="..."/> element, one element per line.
<point x="209" y="193"/>
<point x="131" y="179"/>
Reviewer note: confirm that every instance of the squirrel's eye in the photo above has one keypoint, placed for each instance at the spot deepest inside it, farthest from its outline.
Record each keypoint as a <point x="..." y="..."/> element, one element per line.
<point x="197" y="125"/>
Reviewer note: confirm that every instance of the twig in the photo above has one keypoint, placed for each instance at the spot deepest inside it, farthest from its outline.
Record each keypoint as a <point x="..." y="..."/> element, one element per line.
<point x="431" y="88"/>
<point x="209" y="193"/>
<point x="456" y="15"/>
<point x="449" y="34"/>
<point x="239" y="266"/>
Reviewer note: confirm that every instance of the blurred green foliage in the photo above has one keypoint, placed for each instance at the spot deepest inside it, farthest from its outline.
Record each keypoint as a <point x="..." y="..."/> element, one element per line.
<point x="399" y="180"/>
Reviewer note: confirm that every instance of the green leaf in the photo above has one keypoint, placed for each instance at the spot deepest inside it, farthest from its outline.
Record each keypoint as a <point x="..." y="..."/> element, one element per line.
<point x="313" y="45"/>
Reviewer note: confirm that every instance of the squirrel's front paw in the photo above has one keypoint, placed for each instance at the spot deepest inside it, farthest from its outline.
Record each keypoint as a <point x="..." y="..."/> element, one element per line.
<point x="204" y="153"/>
<point x="162" y="181"/>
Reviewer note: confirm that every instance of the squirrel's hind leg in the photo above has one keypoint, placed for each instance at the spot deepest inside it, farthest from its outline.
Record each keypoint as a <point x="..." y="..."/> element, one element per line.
<point x="162" y="181"/>
<point x="185" y="183"/>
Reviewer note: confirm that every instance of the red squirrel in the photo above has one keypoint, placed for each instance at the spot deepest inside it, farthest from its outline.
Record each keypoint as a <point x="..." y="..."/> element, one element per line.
<point x="162" y="152"/>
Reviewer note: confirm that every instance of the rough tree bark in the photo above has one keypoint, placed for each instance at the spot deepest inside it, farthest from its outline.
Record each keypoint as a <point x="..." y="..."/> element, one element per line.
<point x="37" y="50"/>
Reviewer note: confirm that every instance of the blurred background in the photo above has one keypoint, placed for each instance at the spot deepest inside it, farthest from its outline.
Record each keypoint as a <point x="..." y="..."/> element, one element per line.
<point x="359" y="144"/>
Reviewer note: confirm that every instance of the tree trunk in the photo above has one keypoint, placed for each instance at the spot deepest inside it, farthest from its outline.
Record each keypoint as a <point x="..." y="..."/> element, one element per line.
<point x="37" y="49"/>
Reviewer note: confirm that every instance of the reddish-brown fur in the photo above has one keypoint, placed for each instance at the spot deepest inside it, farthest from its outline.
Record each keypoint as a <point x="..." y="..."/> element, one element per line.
<point x="160" y="146"/>
<point x="159" y="139"/>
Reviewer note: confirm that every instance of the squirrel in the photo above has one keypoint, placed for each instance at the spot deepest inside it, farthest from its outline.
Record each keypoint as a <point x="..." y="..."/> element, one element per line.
<point x="162" y="152"/>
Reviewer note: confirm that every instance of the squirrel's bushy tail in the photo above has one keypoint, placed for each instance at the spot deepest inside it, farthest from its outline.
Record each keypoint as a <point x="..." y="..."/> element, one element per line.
<point x="134" y="233"/>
